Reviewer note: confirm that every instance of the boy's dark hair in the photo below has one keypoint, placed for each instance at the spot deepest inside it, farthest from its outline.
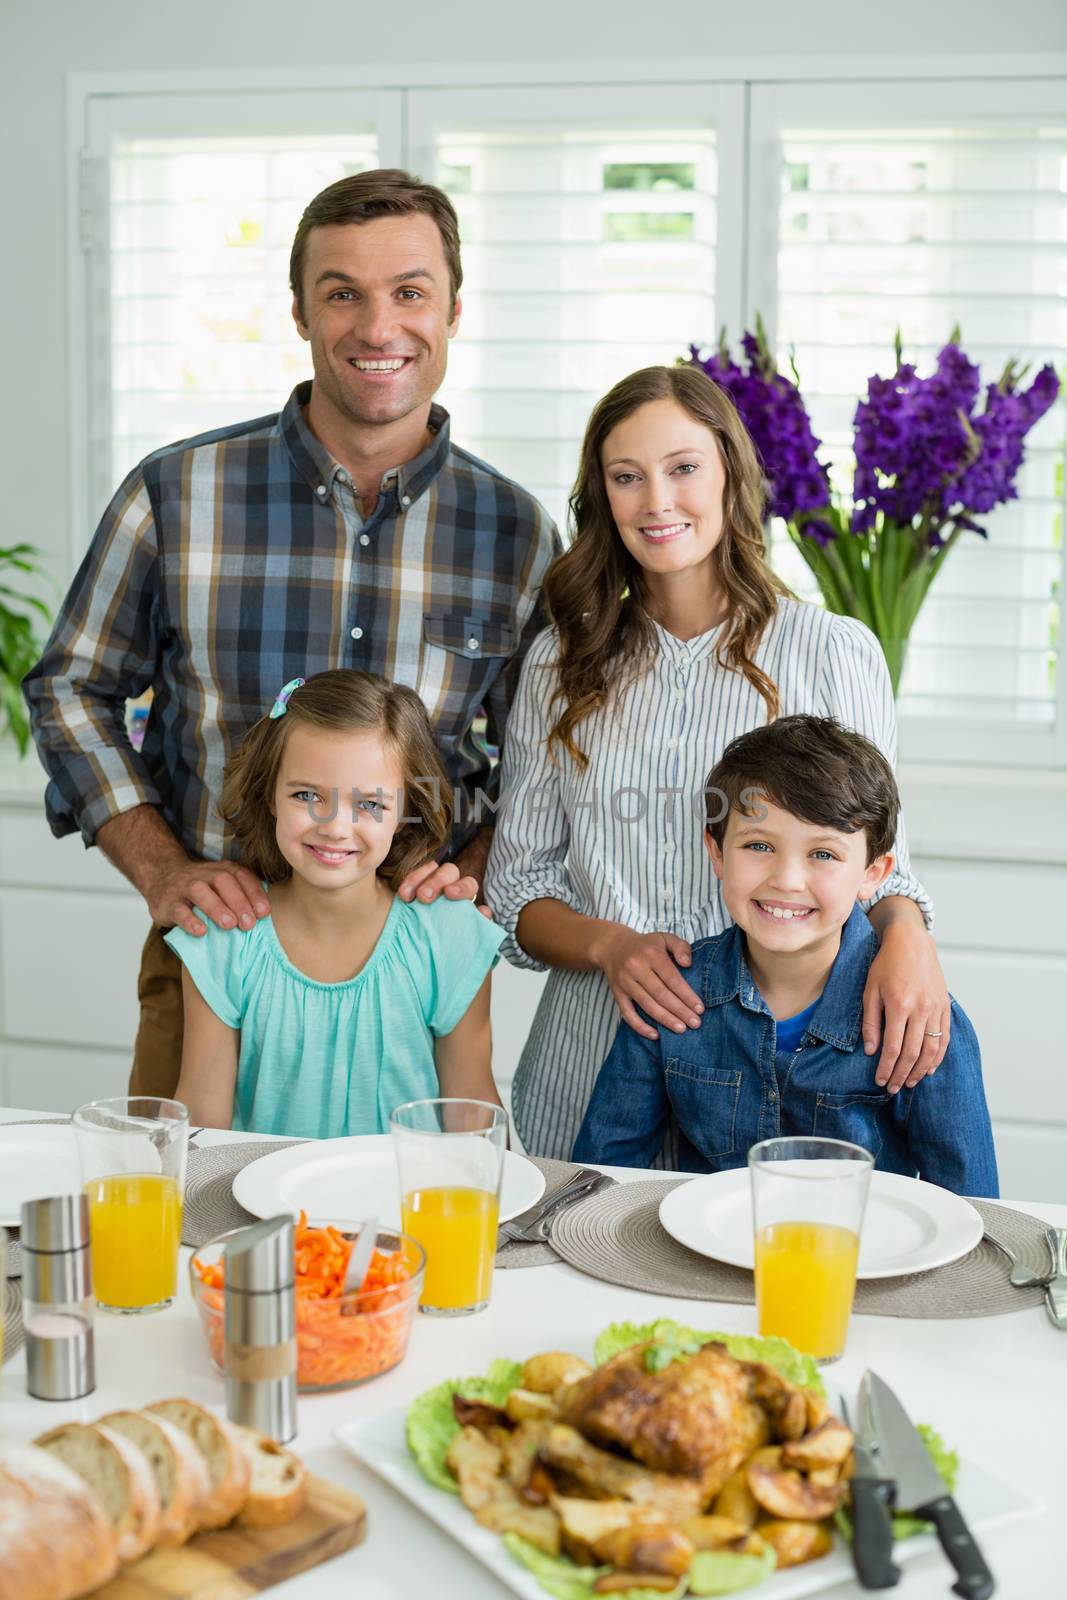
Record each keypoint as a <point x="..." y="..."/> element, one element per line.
<point x="813" y="768"/>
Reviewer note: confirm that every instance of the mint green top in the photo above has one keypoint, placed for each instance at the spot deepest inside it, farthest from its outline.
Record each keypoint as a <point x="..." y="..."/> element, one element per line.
<point x="321" y="1060"/>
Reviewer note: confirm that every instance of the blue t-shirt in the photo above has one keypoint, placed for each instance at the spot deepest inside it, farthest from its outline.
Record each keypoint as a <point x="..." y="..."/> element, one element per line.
<point x="789" y="1031"/>
<point x="321" y="1060"/>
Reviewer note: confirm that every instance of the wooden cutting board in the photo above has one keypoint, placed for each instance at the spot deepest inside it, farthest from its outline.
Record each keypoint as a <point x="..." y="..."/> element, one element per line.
<point x="236" y="1562"/>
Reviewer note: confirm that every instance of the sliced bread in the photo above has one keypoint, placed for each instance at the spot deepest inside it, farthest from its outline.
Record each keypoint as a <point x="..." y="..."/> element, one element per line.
<point x="180" y="1470"/>
<point x="56" y="1542"/>
<point x="228" y="1466"/>
<point x="279" y="1482"/>
<point x="121" y="1478"/>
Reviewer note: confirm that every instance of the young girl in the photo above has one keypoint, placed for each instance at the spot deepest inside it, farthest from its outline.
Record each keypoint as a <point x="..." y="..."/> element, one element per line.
<point x="346" y="1001"/>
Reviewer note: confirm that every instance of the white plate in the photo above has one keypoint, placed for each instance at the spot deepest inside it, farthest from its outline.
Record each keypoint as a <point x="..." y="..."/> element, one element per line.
<point x="35" y="1160"/>
<point x="351" y="1178"/>
<point x="378" y="1442"/>
<point x="909" y="1226"/>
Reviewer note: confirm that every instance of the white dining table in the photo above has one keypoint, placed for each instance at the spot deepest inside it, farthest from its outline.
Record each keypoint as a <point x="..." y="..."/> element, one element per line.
<point x="994" y="1387"/>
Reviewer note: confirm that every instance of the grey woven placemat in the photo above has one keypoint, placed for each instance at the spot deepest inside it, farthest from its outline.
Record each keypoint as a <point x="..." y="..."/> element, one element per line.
<point x="11" y="1315"/>
<point x="616" y="1235"/>
<point x="210" y="1208"/>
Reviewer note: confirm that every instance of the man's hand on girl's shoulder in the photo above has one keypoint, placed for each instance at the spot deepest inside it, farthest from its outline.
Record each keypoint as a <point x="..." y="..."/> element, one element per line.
<point x="224" y="891"/>
<point x="435" y="878"/>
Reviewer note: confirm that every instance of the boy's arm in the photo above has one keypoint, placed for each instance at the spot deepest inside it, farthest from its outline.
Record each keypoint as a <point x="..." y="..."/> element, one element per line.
<point x="463" y="1056"/>
<point x="209" y="1061"/>
<point x="628" y="1112"/>
<point x="945" y="1120"/>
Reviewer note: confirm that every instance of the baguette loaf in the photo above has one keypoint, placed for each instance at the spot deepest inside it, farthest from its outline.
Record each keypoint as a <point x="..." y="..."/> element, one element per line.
<point x="227" y="1464"/>
<point x="279" y="1482"/>
<point x="120" y="1477"/>
<point x="180" y="1470"/>
<point x="55" y="1540"/>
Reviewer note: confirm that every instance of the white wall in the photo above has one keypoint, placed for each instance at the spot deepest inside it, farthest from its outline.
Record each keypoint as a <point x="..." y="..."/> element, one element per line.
<point x="42" y="41"/>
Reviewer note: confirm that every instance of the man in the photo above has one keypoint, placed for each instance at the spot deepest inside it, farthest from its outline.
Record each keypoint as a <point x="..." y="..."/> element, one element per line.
<point x="346" y="531"/>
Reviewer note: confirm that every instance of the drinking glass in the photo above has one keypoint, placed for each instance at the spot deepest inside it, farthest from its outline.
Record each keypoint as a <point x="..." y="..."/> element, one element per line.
<point x="133" y="1152"/>
<point x="450" y="1160"/>
<point x="808" y="1200"/>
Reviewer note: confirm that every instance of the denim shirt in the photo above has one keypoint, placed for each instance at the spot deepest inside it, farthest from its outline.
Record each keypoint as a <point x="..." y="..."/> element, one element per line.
<point x="727" y="1086"/>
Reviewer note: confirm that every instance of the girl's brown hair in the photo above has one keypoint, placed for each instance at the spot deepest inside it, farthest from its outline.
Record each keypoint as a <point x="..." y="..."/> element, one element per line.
<point x="595" y="590"/>
<point x="341" y="702"/>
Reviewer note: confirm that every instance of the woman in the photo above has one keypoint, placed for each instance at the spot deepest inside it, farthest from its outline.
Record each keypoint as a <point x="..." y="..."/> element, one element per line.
<point x="670" y="636"/>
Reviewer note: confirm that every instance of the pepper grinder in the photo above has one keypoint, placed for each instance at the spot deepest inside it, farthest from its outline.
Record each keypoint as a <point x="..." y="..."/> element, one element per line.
<point x="57" y="1290"/>
<point x="259" y="1353"/>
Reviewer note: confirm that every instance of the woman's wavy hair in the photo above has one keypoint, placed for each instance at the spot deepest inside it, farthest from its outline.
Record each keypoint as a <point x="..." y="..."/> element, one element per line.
<point x="595" y="590"/>
<point x="341" y="702"/>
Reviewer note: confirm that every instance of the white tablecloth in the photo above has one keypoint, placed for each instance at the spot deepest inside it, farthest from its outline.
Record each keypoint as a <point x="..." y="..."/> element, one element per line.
<point x="995" y="1387"/>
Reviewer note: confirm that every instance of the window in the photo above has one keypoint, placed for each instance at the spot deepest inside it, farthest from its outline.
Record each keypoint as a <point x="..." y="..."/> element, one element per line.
<point x="589" y="250"/>
<point x="600" y="237"/>
<point x="918" y="222"/>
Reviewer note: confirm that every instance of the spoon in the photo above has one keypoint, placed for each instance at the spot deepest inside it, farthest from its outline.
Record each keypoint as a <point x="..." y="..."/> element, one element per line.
<point x="360" y="1259"/>
<point x="1020" y="1277"/>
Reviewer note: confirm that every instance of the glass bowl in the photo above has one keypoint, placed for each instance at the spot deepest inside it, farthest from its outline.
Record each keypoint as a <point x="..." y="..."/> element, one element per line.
<point x="340" y="1341"/>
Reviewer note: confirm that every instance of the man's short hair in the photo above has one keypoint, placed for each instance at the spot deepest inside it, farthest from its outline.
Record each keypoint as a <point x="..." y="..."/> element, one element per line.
<point x="383" y="192"/>
<point x="813" y="768"/>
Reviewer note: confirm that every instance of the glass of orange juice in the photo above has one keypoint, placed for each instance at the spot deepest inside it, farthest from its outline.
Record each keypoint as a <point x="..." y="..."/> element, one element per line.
<point x="808" y="1200"/>
<point x="450" y="1161"/>
<point x="133" y="1153"/>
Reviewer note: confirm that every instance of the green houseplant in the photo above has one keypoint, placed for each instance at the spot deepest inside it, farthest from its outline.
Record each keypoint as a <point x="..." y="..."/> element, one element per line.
<point x="20" y="647"/>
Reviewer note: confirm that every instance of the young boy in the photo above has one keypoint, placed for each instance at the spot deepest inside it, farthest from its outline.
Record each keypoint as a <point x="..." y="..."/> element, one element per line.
<point x="801" y="818"/>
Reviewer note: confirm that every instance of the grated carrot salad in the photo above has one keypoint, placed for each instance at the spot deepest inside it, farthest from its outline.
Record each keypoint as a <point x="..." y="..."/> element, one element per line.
<point x="340" y="1339"/>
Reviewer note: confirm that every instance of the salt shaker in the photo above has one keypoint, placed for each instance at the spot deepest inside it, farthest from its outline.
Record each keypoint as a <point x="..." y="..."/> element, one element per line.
<point x="259" y="1351"/>
<point x="57" y="1295"/>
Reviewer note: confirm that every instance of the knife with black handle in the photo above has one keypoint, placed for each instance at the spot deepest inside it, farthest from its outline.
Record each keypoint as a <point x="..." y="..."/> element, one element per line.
<point x="872" y="1527"/>
<point x="872" y="1533"/>
<point x="902" y="1455"/>
<point x="974" y="1578"/>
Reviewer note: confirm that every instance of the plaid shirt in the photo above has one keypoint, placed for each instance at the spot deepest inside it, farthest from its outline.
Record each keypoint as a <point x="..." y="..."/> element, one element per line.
<point x="232" y="562"/>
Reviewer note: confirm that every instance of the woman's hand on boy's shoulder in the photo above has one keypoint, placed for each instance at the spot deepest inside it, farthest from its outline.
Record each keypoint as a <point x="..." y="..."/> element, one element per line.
<point x="907" y="986"/>
<point x="642" y="969"/>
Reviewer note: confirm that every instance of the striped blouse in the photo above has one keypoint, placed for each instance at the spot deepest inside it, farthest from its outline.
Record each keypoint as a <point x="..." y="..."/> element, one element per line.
<point x="623" y="839"/>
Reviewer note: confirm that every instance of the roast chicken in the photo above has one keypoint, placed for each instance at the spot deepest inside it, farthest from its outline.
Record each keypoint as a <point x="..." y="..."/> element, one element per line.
<point x="698" y="1418"/>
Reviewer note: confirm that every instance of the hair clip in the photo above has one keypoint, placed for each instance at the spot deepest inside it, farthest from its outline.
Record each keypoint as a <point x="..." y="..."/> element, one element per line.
<point x="281" y="704"/>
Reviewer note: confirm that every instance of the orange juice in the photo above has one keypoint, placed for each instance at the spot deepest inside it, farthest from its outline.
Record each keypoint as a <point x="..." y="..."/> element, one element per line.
<point x="457" y="1229"/>
<point x="805" y="1280"/>
<point x="135" y="1225"/>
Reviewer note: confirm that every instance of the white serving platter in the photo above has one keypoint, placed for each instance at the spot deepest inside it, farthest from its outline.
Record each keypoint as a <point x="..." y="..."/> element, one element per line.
<point x="986" y="1502"/>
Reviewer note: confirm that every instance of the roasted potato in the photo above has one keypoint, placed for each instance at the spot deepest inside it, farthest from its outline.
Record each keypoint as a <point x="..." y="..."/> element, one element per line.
<point x="825" y="1446"/>
<point x="618" y="1582"/>
<point x="546" y="1373"/>
<point x="736" y="1501"/>
<point x="795" y="1542"/>
<point x="520" y="1451"/>
<point x="647" y="1546"/>
<point x="787" y="1494"/>
<point x="475" y="1462"/>
<point x="713" y="1532"/>
<point x="528" y="1405"/>
<point x="506" y="1512"/>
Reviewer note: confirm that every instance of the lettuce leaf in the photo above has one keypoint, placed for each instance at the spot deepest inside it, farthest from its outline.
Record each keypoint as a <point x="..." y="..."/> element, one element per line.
<point x="777" y="1353"/>
<point x="722" y="1572"/>
<point x="565" y="1580"/>
<point x="431" y="1426"/>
